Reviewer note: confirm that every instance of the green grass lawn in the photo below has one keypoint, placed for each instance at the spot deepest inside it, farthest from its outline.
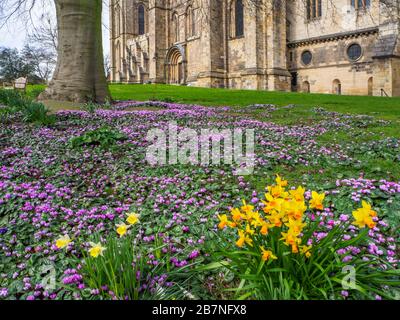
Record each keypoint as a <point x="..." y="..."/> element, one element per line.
<point x="382" y="107"/>
<point x="387" y="108"/>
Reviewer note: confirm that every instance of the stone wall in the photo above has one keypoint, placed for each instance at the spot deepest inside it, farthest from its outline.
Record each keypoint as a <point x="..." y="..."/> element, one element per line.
<point x="267" y="56"/>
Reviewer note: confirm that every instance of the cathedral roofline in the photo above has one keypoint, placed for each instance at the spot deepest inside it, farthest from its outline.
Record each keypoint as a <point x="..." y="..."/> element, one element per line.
<point x="333" y="37"/>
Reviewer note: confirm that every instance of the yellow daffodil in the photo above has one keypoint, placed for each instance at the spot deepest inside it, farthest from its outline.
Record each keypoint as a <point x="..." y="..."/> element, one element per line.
<point x="366" y="206"/>
<point x="298" y="194"/>
<point x="249" y="230"/>
<point x="252" y="216"/>
<point x="133" y="218"/>
<point x="295" y="226"/>
<point x="96" y="249"/>
<point x="265" y="228"/>
<point x="237" y="215"/>
<point x="306" y="250"/>
<point x="243" y="239"/>
<point x="294" y="209"/>
<point x="224" y="222"/>
<point x="280" y="182"/>
<point x="246" y="208"/>
<point x="363" y="216"/>
<point x="267" y="254"/>
<point x="122" y="229"/>
<point x="276" y="219"/>
<point x="290" y="238"/>
<point x="257" y="220"/>
<point x="277" y="191"/>
<point x="272" y="203"/>
<point x="317" y="200"/>
<point x="63" y="242"/>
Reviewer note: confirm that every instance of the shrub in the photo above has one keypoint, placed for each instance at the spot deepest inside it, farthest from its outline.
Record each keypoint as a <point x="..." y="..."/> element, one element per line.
<point x="36" y="91"/>
<point x="35" y="112"/>
<point x="13" y="99"/>
<point x="90" y="107"/>
<point x="292" y="252"/>
<point x="31" y="111"/>
<point x="104" y="137"/>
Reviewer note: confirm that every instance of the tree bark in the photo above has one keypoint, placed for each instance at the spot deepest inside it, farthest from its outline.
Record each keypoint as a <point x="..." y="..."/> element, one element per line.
<point x="79" y="74"/>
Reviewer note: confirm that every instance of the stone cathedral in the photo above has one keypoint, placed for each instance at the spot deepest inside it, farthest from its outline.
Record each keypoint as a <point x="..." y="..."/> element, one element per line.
<point x="318" y="46"/>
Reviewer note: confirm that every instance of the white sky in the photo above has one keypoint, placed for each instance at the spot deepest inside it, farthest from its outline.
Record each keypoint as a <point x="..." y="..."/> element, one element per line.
<point x="14" y="33"/>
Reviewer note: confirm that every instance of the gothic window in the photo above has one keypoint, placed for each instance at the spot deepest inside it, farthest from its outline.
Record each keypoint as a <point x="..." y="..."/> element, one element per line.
<point x="236" y="18"/>
<point x="118" y="21"/>
<point x="194" y="26"/>
<point x="239" y="25"/>
<point x="190" y="22"/>
<point x="141" y="19"/>
<point x="174" y="28"/>
<point x="360" y="4"/>
<point x="314" y="9"/>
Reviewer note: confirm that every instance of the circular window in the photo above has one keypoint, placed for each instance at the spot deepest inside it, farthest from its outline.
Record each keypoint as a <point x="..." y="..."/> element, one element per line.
<point x="354" y="51"/>
<point x="306" y="57"/>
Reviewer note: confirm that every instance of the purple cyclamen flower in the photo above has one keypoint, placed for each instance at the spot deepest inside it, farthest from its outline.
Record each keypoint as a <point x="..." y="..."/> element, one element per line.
<point x="194" y="254"/>
<point x="3" y="292"/>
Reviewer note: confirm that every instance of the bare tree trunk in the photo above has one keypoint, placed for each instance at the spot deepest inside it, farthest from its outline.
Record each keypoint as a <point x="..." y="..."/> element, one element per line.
<point x="79" y="74"/>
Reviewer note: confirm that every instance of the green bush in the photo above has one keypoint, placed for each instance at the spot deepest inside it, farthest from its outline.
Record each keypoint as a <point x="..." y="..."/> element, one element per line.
<point x="103" y="137"/>
<point x="32" y="112"/>
<point x="36" y="91"/>
<point x="13" y="99"/>
<point x="35" y="112"/>
<point x="90" y="107"/>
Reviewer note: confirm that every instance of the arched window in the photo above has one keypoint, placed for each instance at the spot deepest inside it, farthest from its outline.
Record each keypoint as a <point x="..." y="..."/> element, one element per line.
<point x="141" y="20"/>
<point x="189" y="22"/>
<point x="174" y="28"/>
<point x="194" y="29"/>
<point x="337" y="87"/>
<point x="239" y="18"/>
<point x="118" y="21"/>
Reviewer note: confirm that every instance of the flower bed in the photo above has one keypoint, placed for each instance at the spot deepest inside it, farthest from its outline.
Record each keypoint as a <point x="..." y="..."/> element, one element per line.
<point x="50" y="189"/>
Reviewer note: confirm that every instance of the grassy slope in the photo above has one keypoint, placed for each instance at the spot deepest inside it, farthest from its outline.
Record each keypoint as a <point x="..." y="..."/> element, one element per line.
<point x="387" y="108"/>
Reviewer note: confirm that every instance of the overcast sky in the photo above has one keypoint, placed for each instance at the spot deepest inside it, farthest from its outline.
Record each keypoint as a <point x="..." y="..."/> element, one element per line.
<point x="14" y="33"/>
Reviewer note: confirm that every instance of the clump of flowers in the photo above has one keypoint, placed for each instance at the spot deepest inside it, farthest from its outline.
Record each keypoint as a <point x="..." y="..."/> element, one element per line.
<point x="290" y="235"/>
<point x="283" y="209"/>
